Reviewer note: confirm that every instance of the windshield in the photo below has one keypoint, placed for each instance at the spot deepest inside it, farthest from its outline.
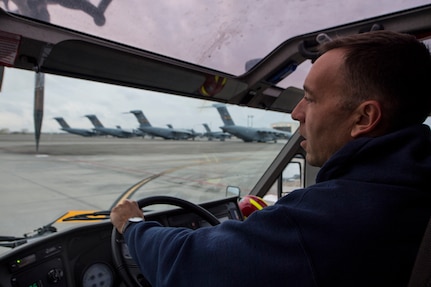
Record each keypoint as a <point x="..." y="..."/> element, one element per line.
<point x="223" y="35"/>
<point x="74" y="172"/>
<point x="95" y="147"/>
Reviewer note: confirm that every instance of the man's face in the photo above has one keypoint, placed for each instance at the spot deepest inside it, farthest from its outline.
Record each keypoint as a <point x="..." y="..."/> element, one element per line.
<point x="325" y="125"/>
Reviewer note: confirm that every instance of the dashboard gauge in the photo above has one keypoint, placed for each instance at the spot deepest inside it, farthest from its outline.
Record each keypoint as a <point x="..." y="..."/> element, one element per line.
<point x="98" y="275"/>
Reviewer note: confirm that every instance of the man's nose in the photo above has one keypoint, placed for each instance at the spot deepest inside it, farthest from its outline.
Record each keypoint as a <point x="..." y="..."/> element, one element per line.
<point x="297" y="113"/>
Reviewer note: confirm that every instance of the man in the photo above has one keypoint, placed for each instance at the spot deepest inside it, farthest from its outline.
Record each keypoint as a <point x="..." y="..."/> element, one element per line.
<point x="361" y="117"/>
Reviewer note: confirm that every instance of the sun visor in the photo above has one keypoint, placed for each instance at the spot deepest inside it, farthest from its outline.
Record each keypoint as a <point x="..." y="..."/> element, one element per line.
<point x="9" y="44"/>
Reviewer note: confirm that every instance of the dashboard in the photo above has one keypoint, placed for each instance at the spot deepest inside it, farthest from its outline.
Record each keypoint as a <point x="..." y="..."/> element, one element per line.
<point x="82" y="255"/>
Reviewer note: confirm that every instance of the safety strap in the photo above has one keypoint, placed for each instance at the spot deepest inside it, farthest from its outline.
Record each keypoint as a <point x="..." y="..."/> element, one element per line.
<point x="421" y="273"/>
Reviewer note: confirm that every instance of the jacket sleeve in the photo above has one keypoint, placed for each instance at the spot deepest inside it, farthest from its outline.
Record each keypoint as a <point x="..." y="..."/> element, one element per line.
<point x="233" y="253"/>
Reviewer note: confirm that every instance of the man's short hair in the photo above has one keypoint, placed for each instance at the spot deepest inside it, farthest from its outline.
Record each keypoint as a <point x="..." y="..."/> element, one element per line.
<point x="392" y="68"/>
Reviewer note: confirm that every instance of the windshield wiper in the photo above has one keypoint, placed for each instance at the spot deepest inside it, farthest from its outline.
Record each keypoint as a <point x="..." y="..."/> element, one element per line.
<point x="11" y="241"/>
<point x="97" y="215"/>
<point x="46" y="229"/>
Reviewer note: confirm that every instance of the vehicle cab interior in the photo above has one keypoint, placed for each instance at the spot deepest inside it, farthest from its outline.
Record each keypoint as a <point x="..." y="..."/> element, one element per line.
<point x="249" y="57"/>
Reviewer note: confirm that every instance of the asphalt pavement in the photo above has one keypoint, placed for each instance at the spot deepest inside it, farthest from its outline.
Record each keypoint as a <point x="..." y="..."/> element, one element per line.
<point x="73" y="172"/>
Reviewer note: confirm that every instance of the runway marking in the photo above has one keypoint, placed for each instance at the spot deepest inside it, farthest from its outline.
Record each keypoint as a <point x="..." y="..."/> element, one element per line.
<point x="129" y="192"/>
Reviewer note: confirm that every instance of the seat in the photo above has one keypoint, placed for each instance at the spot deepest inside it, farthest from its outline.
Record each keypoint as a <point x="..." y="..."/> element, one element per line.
<point x="421" y="272"/>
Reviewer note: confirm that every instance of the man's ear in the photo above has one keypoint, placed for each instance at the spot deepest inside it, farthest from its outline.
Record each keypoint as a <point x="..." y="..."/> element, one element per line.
<point x="368" y="116"/>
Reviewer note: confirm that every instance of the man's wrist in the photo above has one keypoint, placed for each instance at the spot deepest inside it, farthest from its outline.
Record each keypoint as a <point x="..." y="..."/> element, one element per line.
<point x="130" y="221"/>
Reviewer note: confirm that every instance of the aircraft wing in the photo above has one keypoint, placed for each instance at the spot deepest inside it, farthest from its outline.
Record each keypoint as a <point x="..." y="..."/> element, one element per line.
<point x="81" y="132"/>
<point x="182" y="133"/>
<point x="114" y="132"/>
<point x="277" y="133"/>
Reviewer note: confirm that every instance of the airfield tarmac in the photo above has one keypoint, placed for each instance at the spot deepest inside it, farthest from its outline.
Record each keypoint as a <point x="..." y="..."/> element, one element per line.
<point x="73" y="172"/>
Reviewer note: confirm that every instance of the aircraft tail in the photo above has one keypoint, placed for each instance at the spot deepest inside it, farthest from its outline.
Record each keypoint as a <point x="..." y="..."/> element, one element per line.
<point x="62" y="122"/>
<point x="170" y="126"/>
<point x="207" y="128"/>
<point x="224" y="114"/>
<point x="95" y="121"/>
<point x="143" y="121"/>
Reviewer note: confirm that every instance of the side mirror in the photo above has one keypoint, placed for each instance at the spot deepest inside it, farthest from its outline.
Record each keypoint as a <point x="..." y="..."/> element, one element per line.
<point x="233" y="191"/>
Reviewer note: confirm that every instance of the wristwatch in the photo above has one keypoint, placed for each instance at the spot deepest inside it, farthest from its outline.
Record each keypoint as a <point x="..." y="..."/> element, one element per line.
<point x="131" y="221"/>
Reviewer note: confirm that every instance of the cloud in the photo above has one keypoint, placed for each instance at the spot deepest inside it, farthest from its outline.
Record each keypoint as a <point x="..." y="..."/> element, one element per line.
<point x="222" y="35"/>
<point x="74" y="98"/>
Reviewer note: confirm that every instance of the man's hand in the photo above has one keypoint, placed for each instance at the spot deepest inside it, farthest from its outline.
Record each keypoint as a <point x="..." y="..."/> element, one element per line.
<point x="123" y="211"/>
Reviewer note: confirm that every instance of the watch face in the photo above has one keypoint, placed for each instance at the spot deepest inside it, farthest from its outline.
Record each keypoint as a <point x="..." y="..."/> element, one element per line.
<point x="131" y="221"/>
<point x="135" y="219"/>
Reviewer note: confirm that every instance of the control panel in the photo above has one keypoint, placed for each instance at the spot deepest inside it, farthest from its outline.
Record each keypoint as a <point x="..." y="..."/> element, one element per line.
<point x="42" y="268"/>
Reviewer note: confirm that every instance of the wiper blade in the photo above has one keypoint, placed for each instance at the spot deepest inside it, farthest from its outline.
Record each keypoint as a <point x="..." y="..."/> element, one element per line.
<point x="11" y="241"/>
<point x="97" y="215"/>
<point x="46" y="229"/>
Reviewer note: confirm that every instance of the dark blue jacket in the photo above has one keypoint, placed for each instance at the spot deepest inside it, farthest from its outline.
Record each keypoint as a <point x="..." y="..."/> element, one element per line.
<point x="359" y="225"/>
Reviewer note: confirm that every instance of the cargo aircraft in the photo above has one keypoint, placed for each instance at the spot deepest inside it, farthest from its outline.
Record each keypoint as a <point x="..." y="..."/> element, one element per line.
<point x="115" y="132"/>
<point x="167" y="133"/>
<point x="192" y="131"/>
<point x="82" y="132"/>
<point x="215" y="134"/>
<point x="248" y="134"/>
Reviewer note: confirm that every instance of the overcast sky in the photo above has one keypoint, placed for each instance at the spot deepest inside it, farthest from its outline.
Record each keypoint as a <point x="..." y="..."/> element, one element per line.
<point x="219" y="34"/>
<point x="72" y="99"/>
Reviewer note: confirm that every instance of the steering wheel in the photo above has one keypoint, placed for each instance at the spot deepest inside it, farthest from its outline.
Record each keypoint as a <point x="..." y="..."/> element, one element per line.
<point x="126" y="266"/>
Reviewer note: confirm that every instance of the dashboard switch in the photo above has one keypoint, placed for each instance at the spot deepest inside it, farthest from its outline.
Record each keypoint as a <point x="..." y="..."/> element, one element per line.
<point x="55" y="275"/>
